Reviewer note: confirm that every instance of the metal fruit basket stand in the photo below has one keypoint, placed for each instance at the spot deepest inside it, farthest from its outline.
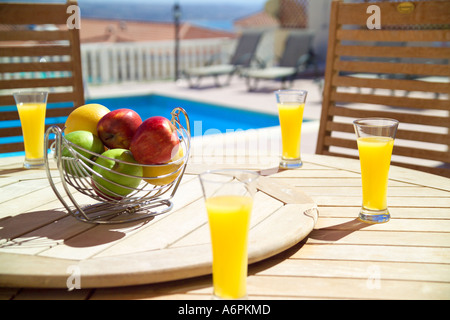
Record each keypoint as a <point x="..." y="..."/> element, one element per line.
<point x="143" y="202"/>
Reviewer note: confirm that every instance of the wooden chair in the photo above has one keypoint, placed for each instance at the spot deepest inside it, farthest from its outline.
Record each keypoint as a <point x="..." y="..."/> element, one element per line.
<point x="412" y="87"/>
<point x="38" y="50"/>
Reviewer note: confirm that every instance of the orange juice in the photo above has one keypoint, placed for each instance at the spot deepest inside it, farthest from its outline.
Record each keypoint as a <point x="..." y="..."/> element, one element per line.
<point x="291" y="118"/>
<point x="229" y="219"/>
<point x="375" y="158"/>
<point x="32" y="119"/>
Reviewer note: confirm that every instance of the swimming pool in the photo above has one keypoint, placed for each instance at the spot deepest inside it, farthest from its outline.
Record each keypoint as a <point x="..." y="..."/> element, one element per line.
<point x="211" y="118"/>
<point x="205" y="118"/>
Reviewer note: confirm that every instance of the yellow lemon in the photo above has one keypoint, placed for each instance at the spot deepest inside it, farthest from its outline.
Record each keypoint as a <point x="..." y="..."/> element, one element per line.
<point x="85" y="118"/>
<point x="163" y="169"/>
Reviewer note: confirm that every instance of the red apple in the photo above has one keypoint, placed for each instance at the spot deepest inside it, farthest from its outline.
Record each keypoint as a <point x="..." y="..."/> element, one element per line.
<point x="155" y="141"/>
<point x="117" y="128"/>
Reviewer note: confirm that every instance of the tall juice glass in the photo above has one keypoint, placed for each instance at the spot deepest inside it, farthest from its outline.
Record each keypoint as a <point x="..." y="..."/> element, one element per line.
<point x="291" y="104"/>
<point x="229" y="199"/>
<point x="31" y="107"/>
<point x="375" y="138"/>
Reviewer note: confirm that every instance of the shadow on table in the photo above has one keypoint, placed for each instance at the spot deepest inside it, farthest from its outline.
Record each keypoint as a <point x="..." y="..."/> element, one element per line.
<point x="329" y="234"/>
<point x="5" y="172"/>
<point x="338" y="231"/>
<point x="48" y="228"/>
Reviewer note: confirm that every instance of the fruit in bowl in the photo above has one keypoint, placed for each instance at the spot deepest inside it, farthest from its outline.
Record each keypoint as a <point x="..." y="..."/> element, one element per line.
<point x="165" y="169"/>
<point x="125" y="176"/>
<point x="85" y="118"/>
<point x="155" y="141"/>
<point x="86" y="140"/>
<point x="117" y="128"/>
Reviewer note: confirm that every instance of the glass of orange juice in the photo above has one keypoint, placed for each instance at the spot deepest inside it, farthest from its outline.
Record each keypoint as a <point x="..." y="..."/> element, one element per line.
<point x="31" y="107"/>
<point x="375" y="138"/>
<point x="291" y="104"/>
<point x="228" y="198"/>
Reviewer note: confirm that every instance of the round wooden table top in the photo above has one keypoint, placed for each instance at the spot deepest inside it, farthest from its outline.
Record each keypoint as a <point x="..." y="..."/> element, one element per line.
<point x="46" y="247"/>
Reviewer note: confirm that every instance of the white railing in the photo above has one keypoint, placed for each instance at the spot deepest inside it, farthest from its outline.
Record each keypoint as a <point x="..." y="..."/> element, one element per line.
<point x="141" y="61"/>
<point x="109" y="63"/>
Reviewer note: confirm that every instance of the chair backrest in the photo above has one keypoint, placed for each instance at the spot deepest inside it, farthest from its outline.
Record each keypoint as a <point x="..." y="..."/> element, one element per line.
<point x="408" y="81"/>
<point x="39" y="49"/>
<point x="297" y="45"/>
<point x="245" y="49"/>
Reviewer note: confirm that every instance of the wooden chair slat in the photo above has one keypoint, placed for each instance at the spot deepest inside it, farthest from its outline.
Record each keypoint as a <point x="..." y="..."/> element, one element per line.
<point x="32" y="36"/>
<point x="36" y="83"/>
<point x="54" y="112"/>
<point x="393" y="35"/>
<point x="28" y="13"/>
<point x="416" y="103"/>
<point x="393" y="68"/>
<point x="422" y="136"/>
<point x="35" y="67"/>
<point x="398" y="150"/>
<point x="393" y="52"/>
<point x="29" y="51"/>
<point x="17" y="131"/>
<point x="392" y="84"/>
<point x="411" y="118"/>
<point x="442" y="171"/>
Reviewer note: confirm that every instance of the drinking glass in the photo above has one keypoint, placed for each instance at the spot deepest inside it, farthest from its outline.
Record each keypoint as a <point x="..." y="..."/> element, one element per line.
<point x="228" y="198"/>
<point x="375" y="138"/>
<point x="31" y="106"/>
<point x="291" y="104"/>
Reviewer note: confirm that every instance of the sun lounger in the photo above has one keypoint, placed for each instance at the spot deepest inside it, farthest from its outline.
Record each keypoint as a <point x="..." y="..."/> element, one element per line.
<point x="296" y="56"/>
<point x="242" y="58"/>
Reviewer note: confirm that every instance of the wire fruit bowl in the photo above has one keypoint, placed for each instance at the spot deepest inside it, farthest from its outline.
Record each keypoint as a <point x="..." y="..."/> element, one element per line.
<point x="140" y="198"/>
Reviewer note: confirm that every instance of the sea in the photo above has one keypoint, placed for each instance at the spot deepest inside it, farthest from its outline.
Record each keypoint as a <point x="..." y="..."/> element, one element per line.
<point x="217" y="14"/>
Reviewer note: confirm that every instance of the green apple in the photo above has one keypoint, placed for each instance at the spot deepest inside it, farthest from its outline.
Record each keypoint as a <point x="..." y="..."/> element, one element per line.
<point x="86" y="140"/>
<point x="123" y="174"/>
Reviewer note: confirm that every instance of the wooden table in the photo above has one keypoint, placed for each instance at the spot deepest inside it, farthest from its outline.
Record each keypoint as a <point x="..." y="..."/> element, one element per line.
<point x="342" y="258"/>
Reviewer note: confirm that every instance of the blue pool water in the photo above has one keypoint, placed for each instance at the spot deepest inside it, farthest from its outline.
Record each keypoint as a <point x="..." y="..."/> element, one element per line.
<point x="207" y="117"/>
<point x="204" y="118"/>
